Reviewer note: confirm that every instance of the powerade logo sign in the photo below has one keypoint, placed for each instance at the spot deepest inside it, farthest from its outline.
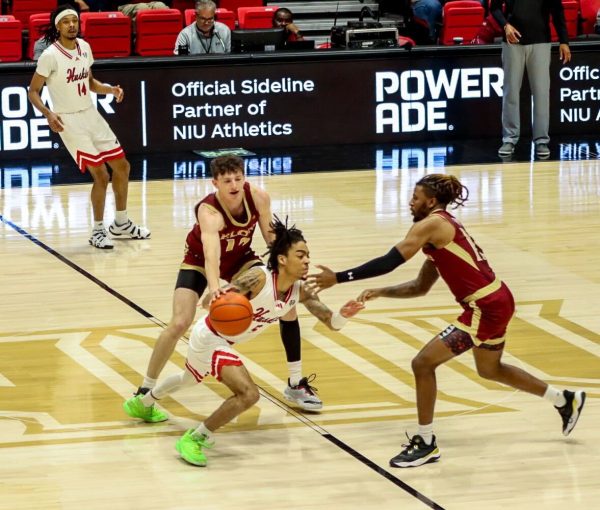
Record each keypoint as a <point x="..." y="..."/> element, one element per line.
<point x="417" y="100"/>
<point x="23" y="127"/>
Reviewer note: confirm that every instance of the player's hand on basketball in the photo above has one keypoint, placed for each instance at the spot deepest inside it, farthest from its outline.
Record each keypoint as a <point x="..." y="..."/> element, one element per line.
<point x="55" y="122"/>
<point x="351" y="308"/>
<point x="368" y="295"/>
<point x="323" y="280"/>
<point x="211" y="296"/>
<point x="117" y="91"/>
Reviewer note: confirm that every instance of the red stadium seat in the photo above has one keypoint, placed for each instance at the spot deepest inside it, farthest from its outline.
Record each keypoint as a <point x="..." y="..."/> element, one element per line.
<point x="234" y="5"/>
<point x="10" y="39"/>
<point x="22" y="9"/>
<point x="571" y="8"/>
<point x="223" y="15"/>
<point x="226" y="17"/>
<point x="157" y="31"/>
<point x="256" y="17"/>
<point x="189" y="17"/>
<point x="36" y="23"/>
<point x="108" y="33"/>
<point x="589" y="11"/>
<point x="461" y="18"/>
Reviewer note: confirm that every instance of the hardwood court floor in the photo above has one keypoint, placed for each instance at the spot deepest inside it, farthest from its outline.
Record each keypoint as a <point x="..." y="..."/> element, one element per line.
<point x="77" y="326"/>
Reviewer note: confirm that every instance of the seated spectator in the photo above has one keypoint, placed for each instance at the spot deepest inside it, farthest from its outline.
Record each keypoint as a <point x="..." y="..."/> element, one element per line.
<point x="132" y="8"/>
<point x="431" y="12"/>
<point x="205" y="35"/>
<point x="283" y="18"/>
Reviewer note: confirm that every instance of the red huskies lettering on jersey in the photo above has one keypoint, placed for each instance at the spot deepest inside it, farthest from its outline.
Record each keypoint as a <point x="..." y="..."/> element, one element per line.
<point x="72" y="75"/>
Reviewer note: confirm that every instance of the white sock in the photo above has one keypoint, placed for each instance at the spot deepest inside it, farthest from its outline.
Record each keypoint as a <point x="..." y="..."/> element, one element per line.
<point x="426" y="432"/>
<point x="555" y="396"/>
<point x="295" y="371"/>
<point x="148" y="382"/>
<point x="120" y="217"/>
<point x="148" y="399"/>
<point x="203" y="431"/>
<point x="98" y="225"/>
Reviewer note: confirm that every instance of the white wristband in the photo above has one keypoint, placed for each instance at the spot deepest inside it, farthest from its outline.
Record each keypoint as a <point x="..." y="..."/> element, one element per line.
<point x="338" y="321"/>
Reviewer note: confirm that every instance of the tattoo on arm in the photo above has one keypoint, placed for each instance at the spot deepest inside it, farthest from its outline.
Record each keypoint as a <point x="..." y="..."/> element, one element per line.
<point x="250" y="282"/>
<point x="320" y="310"/>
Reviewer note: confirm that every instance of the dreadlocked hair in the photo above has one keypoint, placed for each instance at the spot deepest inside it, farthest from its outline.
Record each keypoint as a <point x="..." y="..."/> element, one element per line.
<point x="285" y="237"/>
<point x="446" y="189"/>
<point x="50" y="32"/>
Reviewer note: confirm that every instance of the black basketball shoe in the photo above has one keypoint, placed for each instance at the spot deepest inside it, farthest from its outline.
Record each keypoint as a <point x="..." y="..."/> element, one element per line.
<point x="141" y="391"/>
<point x="416" y="453"/>
<point x="571" y="411"/>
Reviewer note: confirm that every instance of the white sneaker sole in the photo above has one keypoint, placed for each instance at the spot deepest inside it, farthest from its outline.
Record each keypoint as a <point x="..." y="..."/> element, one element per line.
<point x="306" y="406"/>
<point x="434" y="456"/>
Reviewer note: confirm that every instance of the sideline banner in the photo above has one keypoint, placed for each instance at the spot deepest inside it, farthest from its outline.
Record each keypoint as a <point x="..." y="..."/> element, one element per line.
<point x="305" y="102"/>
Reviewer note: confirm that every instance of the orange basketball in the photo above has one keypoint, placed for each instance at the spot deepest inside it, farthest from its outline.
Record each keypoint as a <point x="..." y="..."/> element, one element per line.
<point x="231" y="314"/>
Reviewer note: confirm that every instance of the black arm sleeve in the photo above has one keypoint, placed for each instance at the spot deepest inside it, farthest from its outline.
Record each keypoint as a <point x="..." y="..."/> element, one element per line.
<point x="376" y="267"/>
<point x="497" y="12"/>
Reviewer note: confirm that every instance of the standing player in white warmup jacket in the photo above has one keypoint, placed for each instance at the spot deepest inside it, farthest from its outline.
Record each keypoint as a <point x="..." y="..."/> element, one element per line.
<point x="273" y="292"/>
<point x="65" y="68"/>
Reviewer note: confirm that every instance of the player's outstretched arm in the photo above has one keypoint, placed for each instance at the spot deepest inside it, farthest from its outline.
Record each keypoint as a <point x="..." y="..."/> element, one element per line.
<point x="211" y="222"/>
<point x="420" y="286"/>
<point x="262" y="200"/>
<point x="418" y="236"/>
<point x="249" y="283"/>
<point x="333" y="320"/>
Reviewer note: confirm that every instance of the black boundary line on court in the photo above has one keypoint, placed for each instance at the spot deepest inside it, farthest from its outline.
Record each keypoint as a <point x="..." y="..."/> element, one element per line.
<point x="82" y="271"/>
<point x="304" y="419"/>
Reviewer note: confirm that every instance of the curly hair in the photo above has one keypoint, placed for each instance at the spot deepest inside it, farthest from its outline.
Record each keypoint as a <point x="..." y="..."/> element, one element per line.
<point x="446" y="189"/>
<point x="285" y="237"/>
<point x="226" y="164"/>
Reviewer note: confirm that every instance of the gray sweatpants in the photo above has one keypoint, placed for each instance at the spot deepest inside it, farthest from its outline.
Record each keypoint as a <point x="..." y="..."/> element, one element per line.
<point x="536" y="58"/>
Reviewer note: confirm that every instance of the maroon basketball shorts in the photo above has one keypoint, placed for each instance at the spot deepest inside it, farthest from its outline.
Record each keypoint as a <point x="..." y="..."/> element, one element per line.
<point x="487" y="318"/>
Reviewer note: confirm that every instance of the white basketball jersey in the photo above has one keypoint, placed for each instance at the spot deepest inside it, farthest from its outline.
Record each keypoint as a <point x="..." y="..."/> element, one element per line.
<point x="267" y="307"/>
<point x="67" y="75"/>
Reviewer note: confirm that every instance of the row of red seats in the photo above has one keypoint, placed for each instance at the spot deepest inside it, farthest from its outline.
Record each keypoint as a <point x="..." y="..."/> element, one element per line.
<point x="109" y="33"/>
<point x="462" y="19"/>
<point x="22" y="9"/>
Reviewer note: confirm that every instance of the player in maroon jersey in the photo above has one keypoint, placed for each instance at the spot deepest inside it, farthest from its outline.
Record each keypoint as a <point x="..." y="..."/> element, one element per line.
<point x="487" y="303"/>
<point x="219" y="246"/>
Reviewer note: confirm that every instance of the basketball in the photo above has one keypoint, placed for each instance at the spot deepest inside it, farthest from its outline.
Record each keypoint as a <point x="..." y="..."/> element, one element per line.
<point x="231" y="314"/>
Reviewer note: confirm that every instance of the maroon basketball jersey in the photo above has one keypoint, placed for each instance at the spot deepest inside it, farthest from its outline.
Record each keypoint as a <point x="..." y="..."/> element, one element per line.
<point x="461" y="263"/>
<point x="235" y="237"/>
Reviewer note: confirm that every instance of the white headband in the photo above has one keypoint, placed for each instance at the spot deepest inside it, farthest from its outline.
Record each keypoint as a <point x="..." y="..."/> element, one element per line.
<point x="66" y="12"/>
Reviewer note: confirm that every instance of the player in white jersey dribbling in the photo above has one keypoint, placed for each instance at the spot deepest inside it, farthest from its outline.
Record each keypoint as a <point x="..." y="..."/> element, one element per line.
<point x="65" y="68"/>
<point x="273" y="292"/>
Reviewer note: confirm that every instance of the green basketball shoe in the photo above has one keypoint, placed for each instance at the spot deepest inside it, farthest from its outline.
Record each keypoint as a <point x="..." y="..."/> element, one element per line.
<point x="135" y="408"/>
<point x="190" y="447"/>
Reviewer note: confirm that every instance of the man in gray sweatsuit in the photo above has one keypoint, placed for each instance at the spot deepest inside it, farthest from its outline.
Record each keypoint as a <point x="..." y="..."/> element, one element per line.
<point x="526" y="44"/>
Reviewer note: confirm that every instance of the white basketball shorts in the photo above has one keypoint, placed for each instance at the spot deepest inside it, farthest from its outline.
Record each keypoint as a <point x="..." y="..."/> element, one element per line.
<point x="89" y="139"/>
<point x="208" y="353"/>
